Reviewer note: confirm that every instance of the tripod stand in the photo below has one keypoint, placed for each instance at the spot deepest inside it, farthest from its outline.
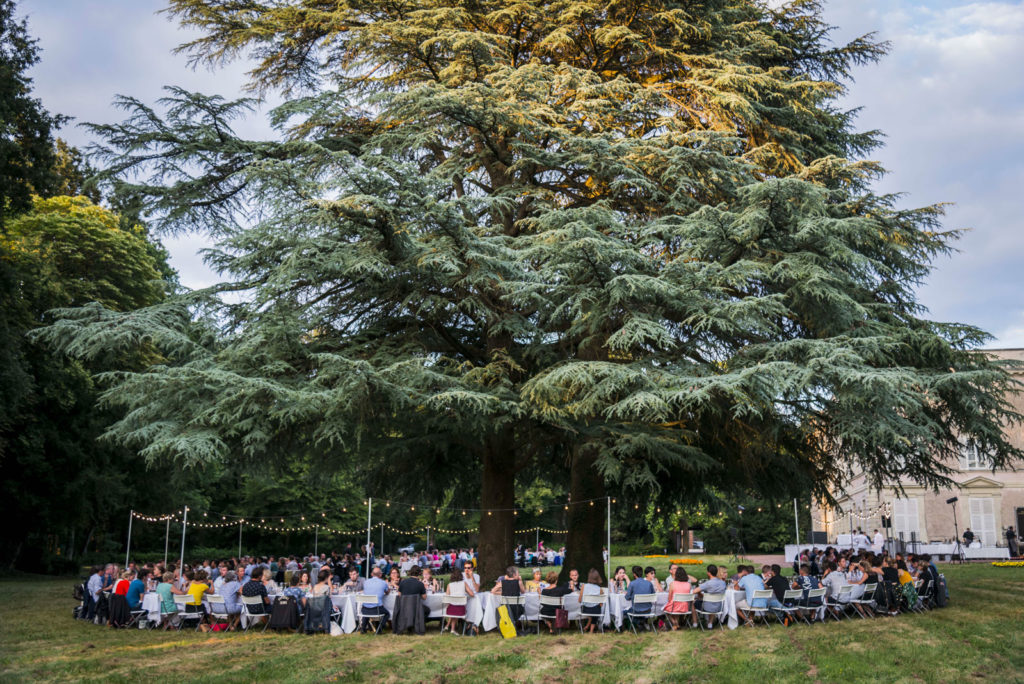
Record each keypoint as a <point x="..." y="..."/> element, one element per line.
<point x="958" y="550"/>
<point x="738" y="552"/>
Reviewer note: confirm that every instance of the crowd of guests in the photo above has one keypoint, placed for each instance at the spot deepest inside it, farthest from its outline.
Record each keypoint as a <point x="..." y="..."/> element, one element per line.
<point x="305" y="579"/>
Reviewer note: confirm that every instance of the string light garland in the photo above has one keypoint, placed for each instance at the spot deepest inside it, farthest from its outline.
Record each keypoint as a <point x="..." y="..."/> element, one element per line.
<point x="883" y="508"/>
<point x="264" y="526"/>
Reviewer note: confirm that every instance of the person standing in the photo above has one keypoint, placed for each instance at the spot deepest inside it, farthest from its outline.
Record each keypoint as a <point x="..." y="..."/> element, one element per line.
<point x="1012" y="542"/>
<point x="878" y="542"/>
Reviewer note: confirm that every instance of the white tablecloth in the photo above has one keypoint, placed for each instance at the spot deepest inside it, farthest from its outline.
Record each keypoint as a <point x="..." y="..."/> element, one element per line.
<point x="349" y="608"/>
<point x="151" y="604"/>
<point x="619" y="605"/>
<point x="489" y="607"/>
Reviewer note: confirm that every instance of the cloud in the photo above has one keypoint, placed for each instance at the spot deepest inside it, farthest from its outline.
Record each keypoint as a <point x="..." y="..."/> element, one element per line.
<point x="950" y="99"/>
<point x="1012" y="336"/>
<point x="93" y="51"/>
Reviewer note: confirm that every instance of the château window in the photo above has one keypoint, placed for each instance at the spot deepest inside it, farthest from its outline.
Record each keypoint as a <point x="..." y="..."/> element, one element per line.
<point x="972" y="459"/>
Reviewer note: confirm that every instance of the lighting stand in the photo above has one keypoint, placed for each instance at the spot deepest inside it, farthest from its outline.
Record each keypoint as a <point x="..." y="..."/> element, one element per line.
<point x="958" y="550"/>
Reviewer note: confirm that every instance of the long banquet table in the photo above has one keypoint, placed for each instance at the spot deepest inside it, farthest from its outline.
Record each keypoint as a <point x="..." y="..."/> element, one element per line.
<point x="482" y="609"/>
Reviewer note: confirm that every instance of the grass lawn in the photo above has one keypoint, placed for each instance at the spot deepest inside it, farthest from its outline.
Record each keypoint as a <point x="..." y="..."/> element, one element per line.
<point x="978" y="637"/>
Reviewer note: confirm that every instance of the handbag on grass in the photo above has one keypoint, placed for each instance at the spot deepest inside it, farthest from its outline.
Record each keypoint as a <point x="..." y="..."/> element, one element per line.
<point x="561" y="618"/>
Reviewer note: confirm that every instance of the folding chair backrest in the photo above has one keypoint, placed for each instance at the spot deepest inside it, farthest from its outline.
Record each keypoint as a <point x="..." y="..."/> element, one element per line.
<point x="362" y="600"/>
<point x="763" y="594"/>
<point x="651" y="600"/>
<point x="513" y="600"/>
<point x="217" y="605"/>
<point x="250" y="601"/>
<point x="454" y="600"/>
<point x="551" y="601"/>
<point x="845" y="591"/>
<point x="182" y="600"/>
<point x="869" y="590"/>
<point x="793" y="594"/>
<point x="815" y="593"/>
<point x="595" y="599"/>
<point x="682" y="598"/>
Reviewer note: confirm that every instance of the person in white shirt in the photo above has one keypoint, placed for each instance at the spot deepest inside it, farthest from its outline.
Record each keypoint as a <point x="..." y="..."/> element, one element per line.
<point x="879" y="542"/>
<point x="860" y="541"/>
<point x="470" y="577"/>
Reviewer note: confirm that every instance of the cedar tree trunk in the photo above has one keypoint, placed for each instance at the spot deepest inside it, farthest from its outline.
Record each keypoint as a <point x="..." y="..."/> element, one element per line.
<point x="587" y="523"/>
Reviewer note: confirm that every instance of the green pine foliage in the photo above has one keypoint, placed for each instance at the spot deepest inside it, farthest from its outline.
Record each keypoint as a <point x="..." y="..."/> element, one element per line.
<point x="634" y="238"/>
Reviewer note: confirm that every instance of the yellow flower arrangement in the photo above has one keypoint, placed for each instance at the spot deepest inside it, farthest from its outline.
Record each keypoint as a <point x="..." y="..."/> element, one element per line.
<point x="687" y="561"/>
<point x="656" y="555"/>
<point x="1008" y="564"/>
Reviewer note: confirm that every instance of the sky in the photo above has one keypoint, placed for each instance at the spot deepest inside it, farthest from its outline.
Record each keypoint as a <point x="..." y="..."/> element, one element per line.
<point x="949" y="98"/>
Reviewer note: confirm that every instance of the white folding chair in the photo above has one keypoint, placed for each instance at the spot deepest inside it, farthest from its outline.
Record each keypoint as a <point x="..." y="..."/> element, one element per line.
<point x="790" y="605"/>
<point x="709" y="614"/>
<point x="250" y="604"/>
<point x="509" y="602"/>
<point x="186" y="611"/>
<point x="651" y="600"/>
<point x="866" y="602"/>
<point x="926" y="596"/>
<point x="378" y="614"/>
<point x="218" y="609"/>
<point x="836" y="606"/>
<point x="448" y="601"/>
<point x="167" y="616"/>
<point x="761" y="596"/>
<point x="815" y="602"/>
<point x="590" y="601"/>
<point x="681" y="598"/>
<point x="551" y="601"/>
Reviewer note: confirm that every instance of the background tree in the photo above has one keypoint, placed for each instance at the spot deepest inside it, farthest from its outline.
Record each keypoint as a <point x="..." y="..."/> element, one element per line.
<point x="627" y="237"/>
<point x="26" y="128"/>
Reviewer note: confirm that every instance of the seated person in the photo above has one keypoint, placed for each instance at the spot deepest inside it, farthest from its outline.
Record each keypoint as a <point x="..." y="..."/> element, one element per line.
<point x="834" y="581"/>
<point x="469" y="574"/>
<point x="778" y="584"/>
<point x="121" y="585"/>
<point x="136" y="589"/>
<point x="394" y="579"/>
<point x="554" y="589"/>
<point x="197" y="587"/>
<point x="712" y="585"/>
<point x="354" y="584"/>
<point x="166" y="591"/>
<point x="429" y="581"/>
<point x="511" y="585"/>
<point x="257" y="587"/>
<point x="806" y="581"/>
<point x="296" y="592"/>
<point x="678" y="583"/>
<point x="535" y="584"/>
<point x="593" y="611"/>
<point x="230" y="591"/>
<point x="619" y="581"/>
<point x="410" y="587"/>
<point x="574" y="580"/>
<point x="456" y="587"/>
<point x="375" y="586"/>
<point x="749" y="582"/>
<point x="638" y="587"/>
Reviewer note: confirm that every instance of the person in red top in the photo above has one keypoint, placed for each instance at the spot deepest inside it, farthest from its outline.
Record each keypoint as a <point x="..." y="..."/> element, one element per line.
<point x="121" y="585"/>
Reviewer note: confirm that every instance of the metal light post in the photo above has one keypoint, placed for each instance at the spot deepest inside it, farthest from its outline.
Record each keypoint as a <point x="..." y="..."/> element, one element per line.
<point x="184" y="526"/>
<point x="127" y="552"/>
<point x="369" y="518"/>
